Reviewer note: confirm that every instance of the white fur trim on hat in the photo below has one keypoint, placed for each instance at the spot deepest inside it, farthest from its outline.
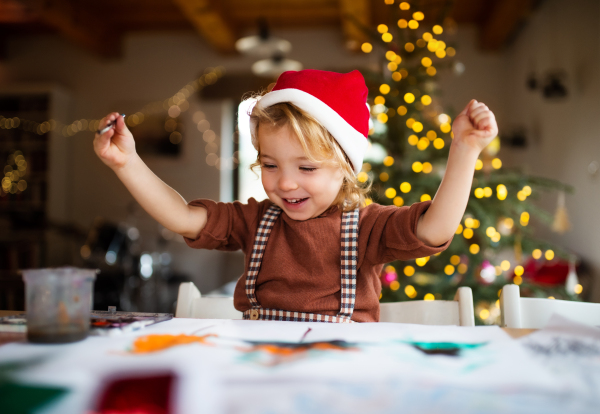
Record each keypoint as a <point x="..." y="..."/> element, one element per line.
<point x="352" y="142"/>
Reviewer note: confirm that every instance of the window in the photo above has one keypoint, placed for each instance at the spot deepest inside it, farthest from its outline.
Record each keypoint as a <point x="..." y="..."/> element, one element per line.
<point x="250" y="184"/>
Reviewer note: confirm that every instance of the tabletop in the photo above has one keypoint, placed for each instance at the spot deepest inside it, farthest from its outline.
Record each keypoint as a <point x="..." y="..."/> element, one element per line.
<point x="236" y="366"/>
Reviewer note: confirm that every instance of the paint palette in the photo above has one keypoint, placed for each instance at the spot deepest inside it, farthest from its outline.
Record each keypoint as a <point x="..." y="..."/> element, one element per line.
<point x="101" y="322"/>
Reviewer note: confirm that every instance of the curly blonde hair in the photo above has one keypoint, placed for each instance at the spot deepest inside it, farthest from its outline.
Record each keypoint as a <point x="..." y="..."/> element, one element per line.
<point x="318" y="145"/>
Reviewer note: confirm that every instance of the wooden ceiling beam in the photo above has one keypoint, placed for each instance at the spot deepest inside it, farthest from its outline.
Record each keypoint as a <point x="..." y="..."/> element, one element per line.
<point x="209" y="20"/>
<point x="505" y="18"/>
<point x="355" y="15"/>
<point x="78" y="25"/>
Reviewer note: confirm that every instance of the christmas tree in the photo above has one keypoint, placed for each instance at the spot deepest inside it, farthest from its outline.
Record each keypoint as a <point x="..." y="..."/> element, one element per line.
<point x="494" y="240"/>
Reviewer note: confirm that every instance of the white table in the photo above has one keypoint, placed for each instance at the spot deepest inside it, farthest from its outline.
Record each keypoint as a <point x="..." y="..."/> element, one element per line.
<point x="376" y="368"/>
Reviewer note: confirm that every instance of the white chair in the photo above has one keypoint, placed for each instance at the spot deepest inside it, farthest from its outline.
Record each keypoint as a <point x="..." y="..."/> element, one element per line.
<point x="534" y="313"/>
<point x="190" y="304"/>
<point x="432" y="312"/>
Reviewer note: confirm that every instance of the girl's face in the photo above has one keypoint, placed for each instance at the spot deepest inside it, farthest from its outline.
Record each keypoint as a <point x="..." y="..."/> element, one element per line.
<point x="302" y="188"/>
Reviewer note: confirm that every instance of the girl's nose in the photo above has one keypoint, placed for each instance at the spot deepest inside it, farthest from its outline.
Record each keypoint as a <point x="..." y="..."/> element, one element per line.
<point x="287" y="183"/>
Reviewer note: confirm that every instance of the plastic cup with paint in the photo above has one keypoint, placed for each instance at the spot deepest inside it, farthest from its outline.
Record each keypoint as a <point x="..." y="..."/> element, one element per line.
<point x="58" y="303"/>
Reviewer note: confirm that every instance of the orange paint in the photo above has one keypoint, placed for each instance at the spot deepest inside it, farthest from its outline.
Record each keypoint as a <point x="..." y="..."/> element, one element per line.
<point x="155" y="343"/>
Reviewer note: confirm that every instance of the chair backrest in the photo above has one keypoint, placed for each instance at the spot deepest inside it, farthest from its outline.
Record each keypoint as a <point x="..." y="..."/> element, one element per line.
<point x="534" y="313"/>
<point x="191" y="304"/>
<point x="432" y="312"/>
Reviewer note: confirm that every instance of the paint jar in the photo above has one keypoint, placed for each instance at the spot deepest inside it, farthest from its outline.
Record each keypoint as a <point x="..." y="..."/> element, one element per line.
<point x="58" y="303"/>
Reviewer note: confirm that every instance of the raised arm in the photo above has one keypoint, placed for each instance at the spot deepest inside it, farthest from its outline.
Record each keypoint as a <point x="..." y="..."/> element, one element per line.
<point x="474" y="128"/>
<point x="116" y="148"/>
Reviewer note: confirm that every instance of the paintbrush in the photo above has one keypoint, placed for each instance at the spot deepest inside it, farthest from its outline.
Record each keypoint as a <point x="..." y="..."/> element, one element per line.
<point x="108" y="126"/>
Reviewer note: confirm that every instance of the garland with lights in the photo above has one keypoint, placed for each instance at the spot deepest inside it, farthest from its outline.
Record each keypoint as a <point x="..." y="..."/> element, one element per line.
<point x="173" y="106"/>
<point x="412" y="132"/>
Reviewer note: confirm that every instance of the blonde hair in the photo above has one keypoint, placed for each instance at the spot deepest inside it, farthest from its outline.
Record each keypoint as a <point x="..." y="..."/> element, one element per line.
<point x="318" y="145"/>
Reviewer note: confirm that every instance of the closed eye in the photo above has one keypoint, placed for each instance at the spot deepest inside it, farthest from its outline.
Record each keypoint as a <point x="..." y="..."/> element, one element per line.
<point x="268" y="166"/>
<point x="308" y="168"/>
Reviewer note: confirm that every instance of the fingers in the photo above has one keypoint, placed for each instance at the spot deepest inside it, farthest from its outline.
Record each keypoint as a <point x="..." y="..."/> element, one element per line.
<point x="466" y="110"/>
<point x="481" y="116"/>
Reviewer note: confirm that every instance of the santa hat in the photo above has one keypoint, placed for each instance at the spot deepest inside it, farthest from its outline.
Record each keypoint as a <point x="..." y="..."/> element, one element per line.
<point x="336" y="100"/>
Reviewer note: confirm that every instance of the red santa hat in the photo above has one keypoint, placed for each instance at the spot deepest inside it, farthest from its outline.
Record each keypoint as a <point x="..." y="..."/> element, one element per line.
<point x="336" y="100"/>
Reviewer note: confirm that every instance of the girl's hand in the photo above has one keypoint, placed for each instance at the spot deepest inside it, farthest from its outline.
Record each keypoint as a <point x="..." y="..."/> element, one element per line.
<point x="116" y="147"/>
<point x="475" y="126"/>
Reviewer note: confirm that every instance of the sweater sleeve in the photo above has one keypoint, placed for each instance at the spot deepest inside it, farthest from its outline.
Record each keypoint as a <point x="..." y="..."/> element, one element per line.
<point x="392" y="233"/>
<point x="229" y="226"/>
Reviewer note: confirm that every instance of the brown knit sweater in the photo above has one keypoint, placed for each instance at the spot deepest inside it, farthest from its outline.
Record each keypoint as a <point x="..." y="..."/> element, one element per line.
<point x="301" y="264"/>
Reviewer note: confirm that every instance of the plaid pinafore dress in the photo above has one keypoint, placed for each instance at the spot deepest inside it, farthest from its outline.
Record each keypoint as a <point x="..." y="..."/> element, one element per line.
<point x="349" y="255"/>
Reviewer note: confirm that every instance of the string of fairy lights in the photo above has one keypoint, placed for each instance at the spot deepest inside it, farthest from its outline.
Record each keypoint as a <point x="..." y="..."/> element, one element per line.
<point x="15" y="168"/>
<point x="417" y="104"/>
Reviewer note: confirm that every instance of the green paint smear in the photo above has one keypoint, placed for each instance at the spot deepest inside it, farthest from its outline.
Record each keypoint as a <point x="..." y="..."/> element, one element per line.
<point x="25" y="399"/>
<point x="445" y="345"/>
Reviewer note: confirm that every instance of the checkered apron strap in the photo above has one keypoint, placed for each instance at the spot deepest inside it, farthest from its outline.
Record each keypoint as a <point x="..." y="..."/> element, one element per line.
<point x="349" y="258"/>
<point x="260" y="242"/>
<point x="264" y="314"/>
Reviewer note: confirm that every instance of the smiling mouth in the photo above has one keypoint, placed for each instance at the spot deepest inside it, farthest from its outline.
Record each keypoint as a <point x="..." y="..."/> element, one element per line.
<point x="294" y="200"/>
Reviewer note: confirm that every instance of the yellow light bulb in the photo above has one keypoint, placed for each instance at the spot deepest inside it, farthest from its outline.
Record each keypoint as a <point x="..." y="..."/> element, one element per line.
<point x="474" y="248"/>
<point x="496" y="163"/>
<point x="397" y="76"/>
<point x="549" y="255"/>
<point x="379" y="100"/>
<point x="417" y="167"/>
<point x="383" y="177"/>
<point x="387" y="37"/>
<point x="409" y="98"/>
<point x="425" y="197"/>
<point x="388" y="161"/>
<point x="455" y="260"/>
<point x="501" y="192"/>
<point x="429" y="296"/>
<point x="438" y="143"/>
<point x="467" y="233"/>
<point x="405" y="187"/>
<point x="427" y="167"/>
<point x="478" y="192"/>
<point x="384" y="89"/>
<point x="398" y="201"/>
<point x="519" y="270"/>
<point x="395" y="285"/>
<point x="431" y="71"/>
<point x="409" y="47"/>
<point x="437" y="29"/>
<point x="536" y="254"/>
<point x="451" y="51"/>
<point x="402" y="23"/>
<point x="413" y="140"/>
<point x="402" y="110"/>
<point x="362" y="177"/>
<point x="409" y="271"/>
<point x="404" y="6"/>
<point x="413" y="24"/>
<point x="417" y="127"/>
<point x="418" y="15"/>
<point x="382" y="28"/>
<point x="449" y="270"/>
<point x="383" y="118"/>
<point x="366" y="47"/>
<point x="426" y="61"/>
<point x="390" y="193"/>
<point x="425" y="100"/>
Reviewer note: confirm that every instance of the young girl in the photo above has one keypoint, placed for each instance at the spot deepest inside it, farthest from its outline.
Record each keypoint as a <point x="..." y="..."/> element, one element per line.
<point x="314" y="252"/>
